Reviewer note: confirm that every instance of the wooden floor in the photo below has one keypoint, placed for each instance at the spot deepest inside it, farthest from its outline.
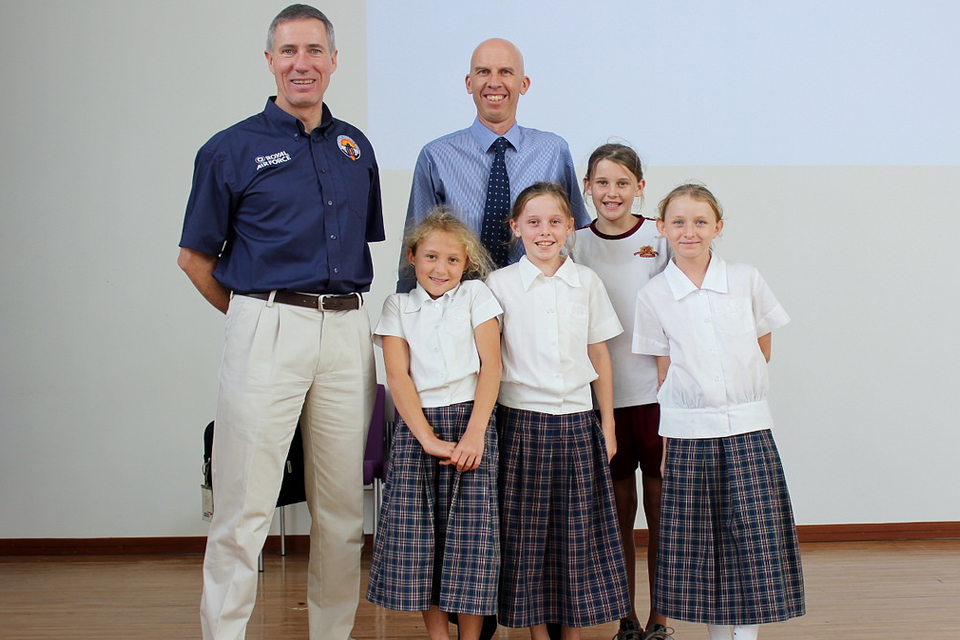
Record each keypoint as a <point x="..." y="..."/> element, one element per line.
<point x="860" y="590"/>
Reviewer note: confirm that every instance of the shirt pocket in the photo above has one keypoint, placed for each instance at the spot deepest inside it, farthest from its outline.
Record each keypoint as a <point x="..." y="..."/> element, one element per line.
<point x="357" y="182"/>
<point x="578" y="320"/>
<point x="735" y="317"/>
<point x="456" y="324"/>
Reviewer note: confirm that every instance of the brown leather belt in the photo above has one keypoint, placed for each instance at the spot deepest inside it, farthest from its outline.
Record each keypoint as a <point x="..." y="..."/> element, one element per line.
<point x="325" y="302"/>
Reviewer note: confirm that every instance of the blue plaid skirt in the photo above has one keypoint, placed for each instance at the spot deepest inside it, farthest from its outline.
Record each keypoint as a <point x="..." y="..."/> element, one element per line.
<point x="439" y="536"/>
<point x="562" y="555"/>
<point x="728" y="551"/>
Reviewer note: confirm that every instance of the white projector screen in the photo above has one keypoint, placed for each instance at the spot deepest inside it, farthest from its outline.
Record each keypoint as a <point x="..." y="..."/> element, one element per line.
<point x="694" y="83"/>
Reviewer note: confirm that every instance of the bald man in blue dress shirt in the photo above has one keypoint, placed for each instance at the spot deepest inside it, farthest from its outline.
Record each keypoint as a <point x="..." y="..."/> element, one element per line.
<point x="453" y="169"/>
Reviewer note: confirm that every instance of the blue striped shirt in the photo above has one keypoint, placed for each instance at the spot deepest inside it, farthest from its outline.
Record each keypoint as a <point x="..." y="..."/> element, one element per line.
<point x="453" y="170"/>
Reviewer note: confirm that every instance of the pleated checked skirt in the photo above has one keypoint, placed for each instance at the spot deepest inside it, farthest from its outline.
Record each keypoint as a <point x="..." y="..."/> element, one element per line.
<point x="438" y="540"/>
<point x="562" y="555"/>
<point x="728" y="551"/>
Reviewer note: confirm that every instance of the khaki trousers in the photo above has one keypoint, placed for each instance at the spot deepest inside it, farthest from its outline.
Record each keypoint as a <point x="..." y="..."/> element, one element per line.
<point x="281" y="361"/>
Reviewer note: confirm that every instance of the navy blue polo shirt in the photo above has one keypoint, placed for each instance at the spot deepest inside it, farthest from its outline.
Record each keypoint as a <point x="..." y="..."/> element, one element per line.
<point x="285" y="209"/>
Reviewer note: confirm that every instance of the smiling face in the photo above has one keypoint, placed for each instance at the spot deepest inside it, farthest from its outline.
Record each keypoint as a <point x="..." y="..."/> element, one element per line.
<point x="496" y="82"/>
<point x="544" y="228"/>
<point x="301" y="62"/>
<point x="690" y="225"/>
<point x="613" y="188"/>
<point x="438" y="261"/>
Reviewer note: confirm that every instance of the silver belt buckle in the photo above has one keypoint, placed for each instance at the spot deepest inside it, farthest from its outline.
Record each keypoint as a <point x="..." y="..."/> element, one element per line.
<point x="339" y="302"/>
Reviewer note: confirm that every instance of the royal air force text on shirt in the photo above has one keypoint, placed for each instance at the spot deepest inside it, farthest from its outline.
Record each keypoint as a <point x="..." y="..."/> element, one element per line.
<point x="276" y="158"/>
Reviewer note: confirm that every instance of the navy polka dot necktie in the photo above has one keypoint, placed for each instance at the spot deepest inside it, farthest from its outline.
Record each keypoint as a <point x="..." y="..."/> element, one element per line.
<point x="494" y="233"/>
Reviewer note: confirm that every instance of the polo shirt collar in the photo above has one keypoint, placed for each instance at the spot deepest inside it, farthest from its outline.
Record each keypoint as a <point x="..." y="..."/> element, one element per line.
<point x="290" y="123"/>
<point x="485" y="137"/>
<point x="715" y="279"/>
<point x="529" y="272"/>
<point x="419" y="297"/>
<point x="636" y="227"/>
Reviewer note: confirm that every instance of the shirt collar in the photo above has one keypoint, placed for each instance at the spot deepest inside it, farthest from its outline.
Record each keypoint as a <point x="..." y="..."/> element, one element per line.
<point x="291" y="123"/>
<point x="485" y="137"/>
<point x="529" y="272"/>
<point x="593" y="227"/>
<point x="419" y="297"/>
<point x="715" y="279"/>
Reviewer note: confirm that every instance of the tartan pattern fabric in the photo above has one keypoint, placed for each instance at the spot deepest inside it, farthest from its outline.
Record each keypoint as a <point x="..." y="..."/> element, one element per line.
<point x="439" y="536"/>
<point x="562" y="556"/>
<point x="494" y="233"/>
<point x="728" y="552"/>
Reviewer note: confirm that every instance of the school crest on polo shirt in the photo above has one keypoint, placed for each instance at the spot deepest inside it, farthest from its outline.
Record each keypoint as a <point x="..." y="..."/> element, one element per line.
<point x="348" y="147"/>
<point x="647" y="251"/>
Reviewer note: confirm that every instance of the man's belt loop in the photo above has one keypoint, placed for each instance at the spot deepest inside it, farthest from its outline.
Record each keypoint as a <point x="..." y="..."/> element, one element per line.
<point x="273" y="295"/>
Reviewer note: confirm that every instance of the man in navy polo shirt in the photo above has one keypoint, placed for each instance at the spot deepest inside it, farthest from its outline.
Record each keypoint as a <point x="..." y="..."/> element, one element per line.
<point x="275" y="235"/>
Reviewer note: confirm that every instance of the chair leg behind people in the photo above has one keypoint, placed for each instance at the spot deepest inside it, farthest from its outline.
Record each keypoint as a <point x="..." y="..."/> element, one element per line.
<point x="292" y="490"/>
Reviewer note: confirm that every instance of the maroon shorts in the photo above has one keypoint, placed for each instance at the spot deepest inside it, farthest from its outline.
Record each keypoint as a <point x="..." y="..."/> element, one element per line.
<point x="639" y="443"/>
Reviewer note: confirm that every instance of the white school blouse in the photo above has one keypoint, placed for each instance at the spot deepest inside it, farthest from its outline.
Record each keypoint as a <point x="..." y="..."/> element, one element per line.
<point x="625" y="263"/>
<point x="444" y="363"/>
<point x="717" y="382"/>
<point x="547" y="324"/>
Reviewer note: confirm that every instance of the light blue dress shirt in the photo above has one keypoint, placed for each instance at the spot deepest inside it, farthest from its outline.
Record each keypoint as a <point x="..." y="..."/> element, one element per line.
<point x="453" y="170"/>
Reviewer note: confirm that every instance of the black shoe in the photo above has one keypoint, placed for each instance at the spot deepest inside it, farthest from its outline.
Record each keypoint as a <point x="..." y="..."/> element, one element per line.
<point x="629" y="630"/>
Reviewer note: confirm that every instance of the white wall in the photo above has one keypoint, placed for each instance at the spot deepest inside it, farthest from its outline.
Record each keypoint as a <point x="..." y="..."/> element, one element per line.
<point x="108" y="356"/>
